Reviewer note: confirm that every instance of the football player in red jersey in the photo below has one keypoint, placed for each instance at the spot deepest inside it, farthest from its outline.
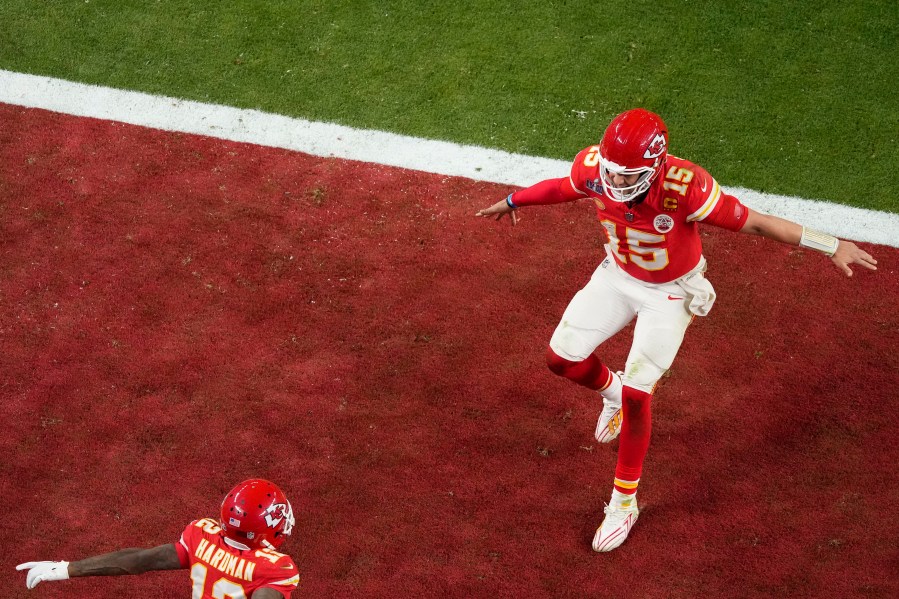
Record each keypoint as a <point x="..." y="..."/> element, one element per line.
<point x="235" y="556"/>
<point x="649" y="204"/>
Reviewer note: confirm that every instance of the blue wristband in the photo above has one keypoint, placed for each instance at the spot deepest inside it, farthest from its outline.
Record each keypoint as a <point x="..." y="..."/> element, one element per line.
<point x="510" y="203"/>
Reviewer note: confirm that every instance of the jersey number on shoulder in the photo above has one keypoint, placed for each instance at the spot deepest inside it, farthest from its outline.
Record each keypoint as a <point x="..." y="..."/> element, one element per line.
<point x="677" y="179"/>
<point x="222" y="589"/>
<point x="209" y="525"/>
<point x="591" y="158"/>
<point x="269" y="554"/>
<point x="647" y="258"/>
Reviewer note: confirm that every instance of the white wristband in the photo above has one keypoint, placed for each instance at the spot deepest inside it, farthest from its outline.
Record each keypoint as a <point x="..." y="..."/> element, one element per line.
<point x="818" y="241"/>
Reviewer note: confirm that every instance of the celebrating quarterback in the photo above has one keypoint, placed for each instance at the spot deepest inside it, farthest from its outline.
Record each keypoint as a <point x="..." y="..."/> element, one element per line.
<point x="650" y="204"/>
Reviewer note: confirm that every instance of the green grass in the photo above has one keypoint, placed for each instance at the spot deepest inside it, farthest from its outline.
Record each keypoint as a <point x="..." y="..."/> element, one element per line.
<point x="787" y="97"/>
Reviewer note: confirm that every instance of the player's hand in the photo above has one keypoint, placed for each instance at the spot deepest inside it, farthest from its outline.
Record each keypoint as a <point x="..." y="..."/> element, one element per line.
<point x="499" y="210"/>
<point x="41" y="571"/>
<point x="848" y="253"/>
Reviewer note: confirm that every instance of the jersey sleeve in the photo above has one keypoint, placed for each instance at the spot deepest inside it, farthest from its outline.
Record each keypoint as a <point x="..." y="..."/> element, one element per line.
<point x="550" y="191"/>
<point x="583" y="169"/>
<point x="281" y="576"/>
<point x="182" y="547"/>
<point x="709" y="204"/>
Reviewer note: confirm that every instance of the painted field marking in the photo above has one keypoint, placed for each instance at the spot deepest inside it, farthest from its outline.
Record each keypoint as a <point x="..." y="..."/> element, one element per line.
<point x="330" y="140"/>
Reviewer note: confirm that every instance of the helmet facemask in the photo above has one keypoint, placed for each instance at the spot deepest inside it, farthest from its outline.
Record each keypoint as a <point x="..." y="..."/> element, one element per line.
<point x="607" y="168"/>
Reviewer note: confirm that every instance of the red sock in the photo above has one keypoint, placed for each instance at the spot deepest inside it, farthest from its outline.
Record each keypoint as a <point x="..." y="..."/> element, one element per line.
<point x="590" y="373"/>
<point x="633" y="442"/>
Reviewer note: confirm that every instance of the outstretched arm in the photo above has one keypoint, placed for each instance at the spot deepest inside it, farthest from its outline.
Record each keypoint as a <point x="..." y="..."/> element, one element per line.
<point x="128" y="561"/>
<point x="841" y="252"/>
<point x="117" y="563"/>
<point x="551" y="191"/>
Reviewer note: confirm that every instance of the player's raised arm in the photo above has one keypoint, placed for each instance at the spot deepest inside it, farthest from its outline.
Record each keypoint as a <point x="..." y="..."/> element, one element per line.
<point x="841" y="251"/>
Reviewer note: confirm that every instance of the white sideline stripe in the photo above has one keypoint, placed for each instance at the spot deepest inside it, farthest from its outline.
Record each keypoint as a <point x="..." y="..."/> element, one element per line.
<point x="330" y="140"/>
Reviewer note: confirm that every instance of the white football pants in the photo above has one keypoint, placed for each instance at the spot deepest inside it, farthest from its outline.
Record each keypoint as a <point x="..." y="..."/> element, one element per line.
<point x="608" y="303"/>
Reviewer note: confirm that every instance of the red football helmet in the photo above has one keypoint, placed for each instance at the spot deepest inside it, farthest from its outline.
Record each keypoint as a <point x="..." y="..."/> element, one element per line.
<point x="636" y="142"/>
<point x="256" y="513"/>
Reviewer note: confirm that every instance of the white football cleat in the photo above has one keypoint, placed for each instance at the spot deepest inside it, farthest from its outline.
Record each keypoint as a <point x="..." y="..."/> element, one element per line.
<point x="609" y="424"/>
<point x="615" y="527"/>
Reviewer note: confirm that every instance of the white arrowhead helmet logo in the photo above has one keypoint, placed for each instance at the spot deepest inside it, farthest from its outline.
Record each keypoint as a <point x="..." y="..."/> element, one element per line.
<point x="656" y="147"/>
<point x="278" y="512"/>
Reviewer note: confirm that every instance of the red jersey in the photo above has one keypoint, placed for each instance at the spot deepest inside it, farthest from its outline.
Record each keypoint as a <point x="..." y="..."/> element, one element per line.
<point x="656" y="240"/>
<point x="220" y="570"/>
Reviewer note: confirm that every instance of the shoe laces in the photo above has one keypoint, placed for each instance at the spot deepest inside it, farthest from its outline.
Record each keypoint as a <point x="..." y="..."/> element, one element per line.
<point x="610" y="406"/>
<point x="618" y="512"/>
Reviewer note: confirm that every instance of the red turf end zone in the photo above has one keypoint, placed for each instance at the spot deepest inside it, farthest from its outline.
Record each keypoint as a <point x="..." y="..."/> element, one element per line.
<point x="180" y="313"/>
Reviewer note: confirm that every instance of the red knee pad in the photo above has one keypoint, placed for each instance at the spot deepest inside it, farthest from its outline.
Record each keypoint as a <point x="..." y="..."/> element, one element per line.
<point x="590" y="372"/>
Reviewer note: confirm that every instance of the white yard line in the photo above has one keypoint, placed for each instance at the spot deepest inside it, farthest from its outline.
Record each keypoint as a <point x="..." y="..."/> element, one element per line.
<point x="440" y="157"/>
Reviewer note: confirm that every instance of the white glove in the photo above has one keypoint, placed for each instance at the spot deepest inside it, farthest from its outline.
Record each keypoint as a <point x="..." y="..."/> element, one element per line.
<point x="41" y="571"/>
